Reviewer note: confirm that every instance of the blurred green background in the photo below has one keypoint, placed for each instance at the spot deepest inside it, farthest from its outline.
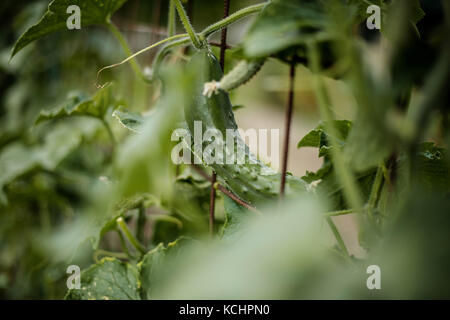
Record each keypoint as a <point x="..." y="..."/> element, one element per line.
<point x="44" y="205"/>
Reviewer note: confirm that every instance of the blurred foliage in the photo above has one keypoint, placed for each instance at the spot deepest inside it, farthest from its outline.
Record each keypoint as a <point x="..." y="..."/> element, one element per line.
<point x="86" y="176"/>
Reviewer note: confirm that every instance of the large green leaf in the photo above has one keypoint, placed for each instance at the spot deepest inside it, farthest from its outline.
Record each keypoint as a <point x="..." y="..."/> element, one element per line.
<point x="55" y="18"/>
<point x="110" y="279"/>
<point x="77" y="105"/>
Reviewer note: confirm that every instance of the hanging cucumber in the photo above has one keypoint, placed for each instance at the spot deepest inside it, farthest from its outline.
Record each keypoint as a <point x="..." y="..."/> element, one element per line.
<point x="241" y="74"/>
<point x="253" y="181"/>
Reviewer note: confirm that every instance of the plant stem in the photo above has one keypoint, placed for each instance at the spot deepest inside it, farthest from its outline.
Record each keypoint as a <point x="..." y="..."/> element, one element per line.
<point x="118" y="255"/>
<point x="232" y="196"/>
<point x="134" y="64"/>
<point x="227" y="192"/>
<point x="205" y="33"/>
<point x="287" y="132"/>
<point x="171" y="20"/>
<point x="123" y="243"/>
<point x="140" y="226"/>
<point x="351" y="191"/>
<point x="212" y="204"/>
<point x="167" y="218"/>
<point x="223" y="43"/>
<point x="178" y="36"/>
<point x="232" y="18"/>
<point x="187" y="24"/>
<point x="127" y="233"/>
<point x="338" y="237"/>
<point x="339" y="212"/>
<point x="376" y="188"/>
<point x="344" y="175"/>
<point x="110" y="132"/>
<point x="223" y="38"/>
<point x="164" y="50"/>
<point x="215" y="44"/>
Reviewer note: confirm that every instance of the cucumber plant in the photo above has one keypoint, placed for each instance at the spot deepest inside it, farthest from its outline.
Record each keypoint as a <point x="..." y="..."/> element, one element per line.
<point x="143" y="215"/>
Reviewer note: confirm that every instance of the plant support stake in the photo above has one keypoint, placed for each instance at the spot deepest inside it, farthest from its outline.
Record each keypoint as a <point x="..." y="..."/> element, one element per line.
<point x="223" y="44"/>
<point x="287" y="131"/>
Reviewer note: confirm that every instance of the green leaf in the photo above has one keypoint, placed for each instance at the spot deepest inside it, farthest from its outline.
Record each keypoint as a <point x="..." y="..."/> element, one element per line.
<point x="95" y="107"/>
<point x="130" y="120"/>
<point x="314" y="137"/>
<point x="55" y="18"/>
<point x="238" y="106"/>
<point x="110" y="279"/>
<point x="155" y="262"/>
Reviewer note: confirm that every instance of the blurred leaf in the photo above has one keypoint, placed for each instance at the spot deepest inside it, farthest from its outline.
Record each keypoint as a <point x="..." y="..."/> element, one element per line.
<point x="17" y="159"/>
<point x="387" y="13"/>
<point x="110" y="279"/>
<point x="283" y="24"/>
<point x="433" y="167"/>
<point x="110" y="221"/>
<point x="144" y="159"/>
<point x="135" y="202"/>
<point x="235" y="214"/>
<point x="55" y="18"/>
<point x="237" y="107"/>
<point x="273" y="257"/>
<point x="130" y="120"/>
<point x="96" y="107"/>
<point x="154" y="263"/>
<point x="188" y="205"/>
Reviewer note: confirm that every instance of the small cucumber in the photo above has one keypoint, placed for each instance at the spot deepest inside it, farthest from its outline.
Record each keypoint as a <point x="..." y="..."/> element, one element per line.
<point x="241" y="74"/>
<point x="253" y="182"/>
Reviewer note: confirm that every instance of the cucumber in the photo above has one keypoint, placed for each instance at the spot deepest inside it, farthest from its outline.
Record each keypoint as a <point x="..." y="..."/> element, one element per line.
<point x="253" y="182"/>
<point x="241" y="74"/>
